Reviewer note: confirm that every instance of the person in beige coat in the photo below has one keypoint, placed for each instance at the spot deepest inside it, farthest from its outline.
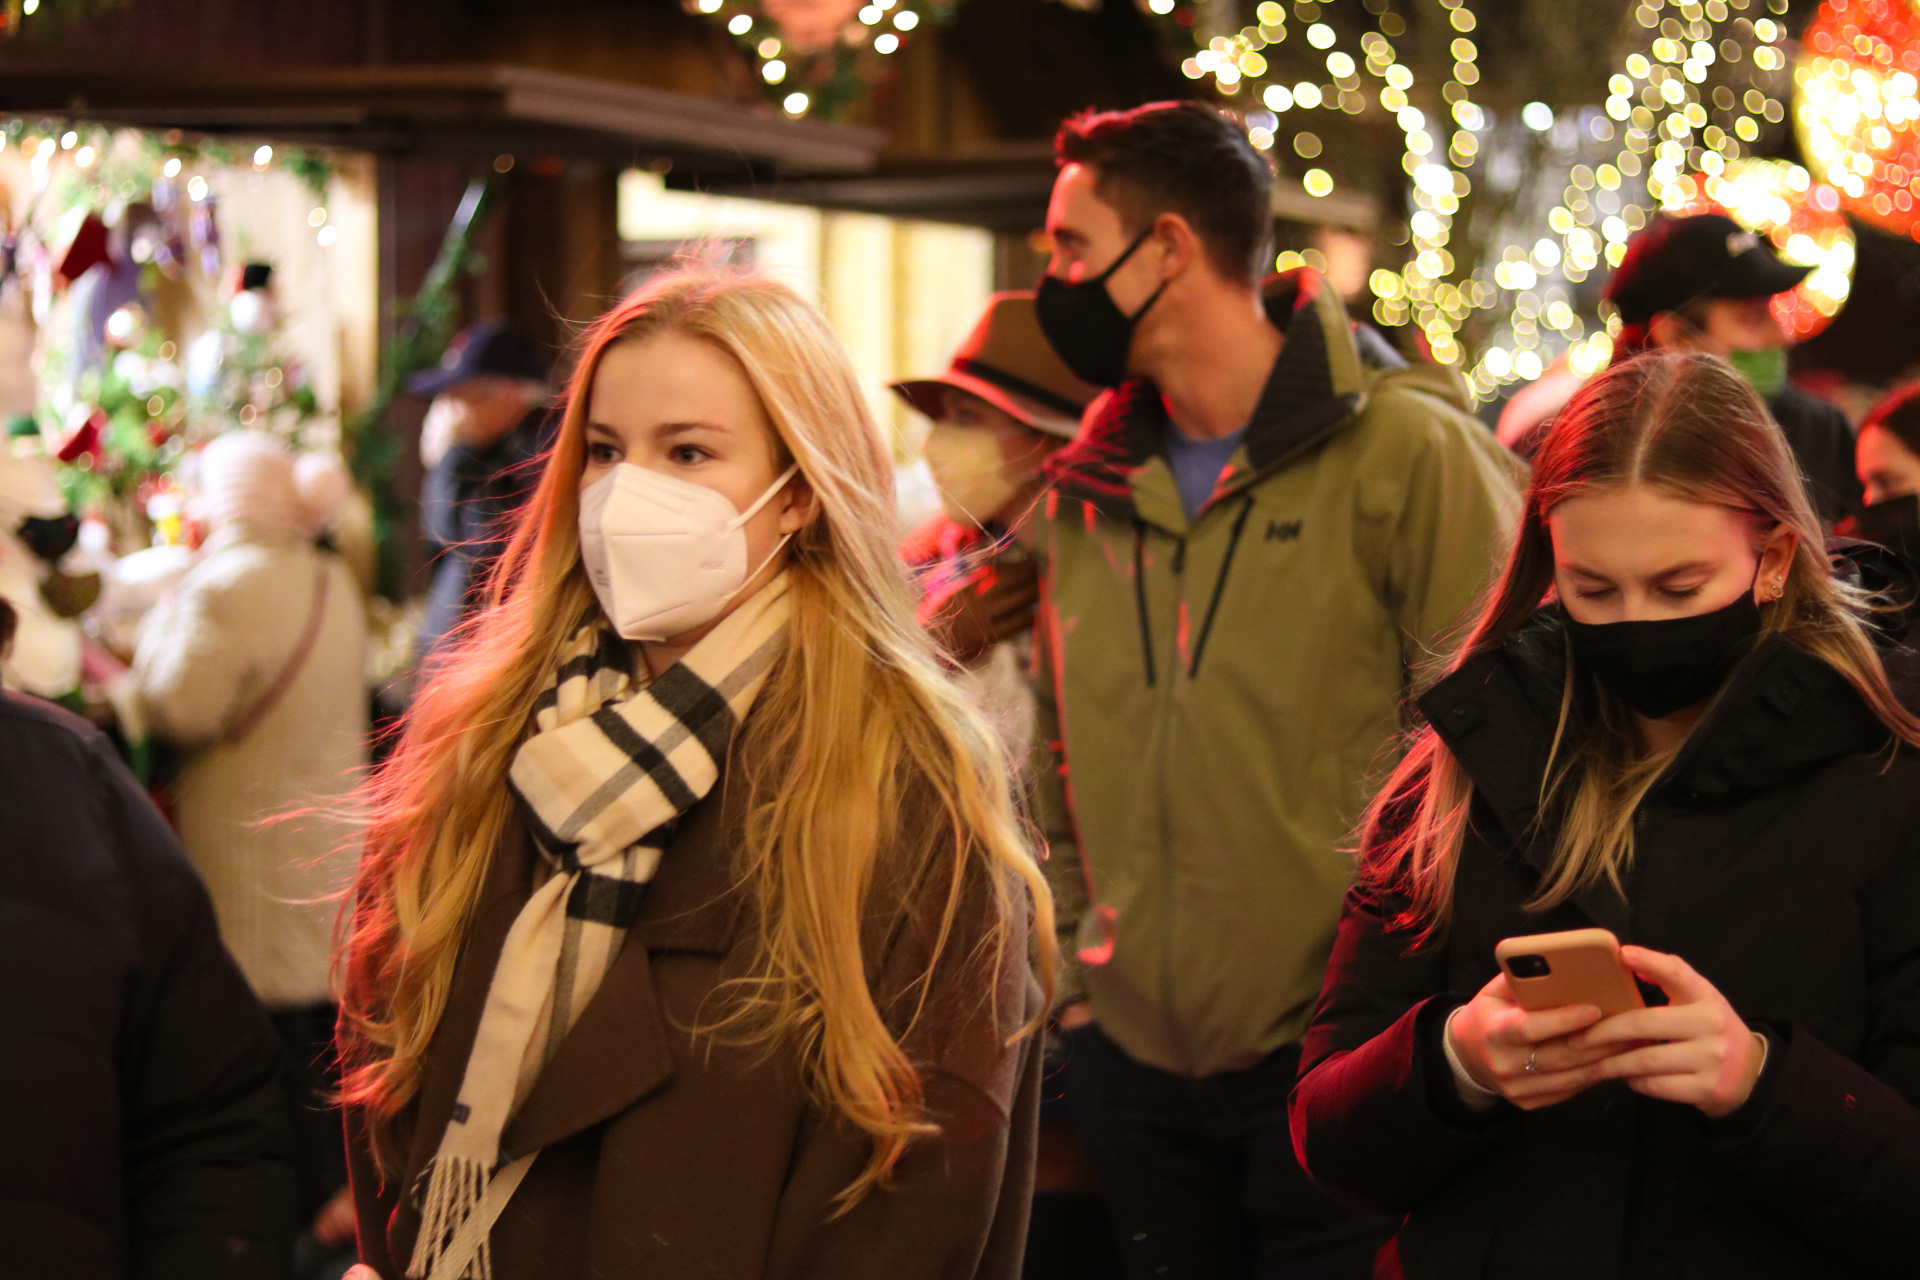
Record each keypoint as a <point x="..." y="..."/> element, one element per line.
<point x="253" y="670"/>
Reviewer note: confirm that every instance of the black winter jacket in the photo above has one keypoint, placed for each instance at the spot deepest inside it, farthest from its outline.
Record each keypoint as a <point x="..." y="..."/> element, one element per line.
<point x="143" y="1131"/>
<point x="1780" y="856"/>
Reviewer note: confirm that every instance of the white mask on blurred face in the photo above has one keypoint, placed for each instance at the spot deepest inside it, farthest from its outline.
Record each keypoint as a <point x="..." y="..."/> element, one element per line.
<point x="665" y="555"/>
<point x="970" y="468"/>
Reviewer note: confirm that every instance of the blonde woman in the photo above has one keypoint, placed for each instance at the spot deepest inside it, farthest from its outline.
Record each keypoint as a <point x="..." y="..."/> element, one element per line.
<point x="1670" y="722"/>
<point x="695" y="935"/>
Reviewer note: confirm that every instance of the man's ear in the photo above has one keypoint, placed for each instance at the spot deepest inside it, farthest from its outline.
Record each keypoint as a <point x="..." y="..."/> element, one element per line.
<point x="1670" y="329"/>
<point x="1179" y="244"/>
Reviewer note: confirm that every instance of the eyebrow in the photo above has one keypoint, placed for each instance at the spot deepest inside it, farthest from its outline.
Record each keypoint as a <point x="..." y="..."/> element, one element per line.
<point x="1689" y="567"/>
<point x="667" y="429"/>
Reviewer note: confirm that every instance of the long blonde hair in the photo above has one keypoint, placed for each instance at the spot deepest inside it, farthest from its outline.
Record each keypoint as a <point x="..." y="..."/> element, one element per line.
<point x="856" y="731"/>
<point x="1688" y="426"/>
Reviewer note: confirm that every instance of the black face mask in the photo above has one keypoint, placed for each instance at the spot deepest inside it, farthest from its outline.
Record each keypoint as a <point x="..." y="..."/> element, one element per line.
<point x="1661" y="667"/>
<point x="49" y="537"/>
<point x="1085" y="328"/>
<point x="1894" y="524"/>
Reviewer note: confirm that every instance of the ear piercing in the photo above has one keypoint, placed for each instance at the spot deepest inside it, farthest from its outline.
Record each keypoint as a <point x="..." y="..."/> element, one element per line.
<point x="1775" y="591"/>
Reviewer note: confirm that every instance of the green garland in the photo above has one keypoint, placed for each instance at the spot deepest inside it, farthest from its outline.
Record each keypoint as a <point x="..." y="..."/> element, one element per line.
<point x="426" y="325"/>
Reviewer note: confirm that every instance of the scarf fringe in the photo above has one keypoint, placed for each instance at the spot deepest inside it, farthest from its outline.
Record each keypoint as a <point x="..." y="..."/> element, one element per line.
<point x="455" y="1187"/>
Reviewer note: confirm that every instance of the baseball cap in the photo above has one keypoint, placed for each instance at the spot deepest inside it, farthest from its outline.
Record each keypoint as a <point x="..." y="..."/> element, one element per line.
<point x="1674" y="261"/>
<point x="489" y="349"/>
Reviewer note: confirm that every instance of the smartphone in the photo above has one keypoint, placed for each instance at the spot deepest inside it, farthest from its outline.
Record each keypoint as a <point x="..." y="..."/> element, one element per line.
<point x="1580" y="966"/>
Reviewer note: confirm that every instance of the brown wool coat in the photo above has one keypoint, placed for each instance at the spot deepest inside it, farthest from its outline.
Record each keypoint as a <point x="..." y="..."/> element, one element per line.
<point x="673" y="1157"/>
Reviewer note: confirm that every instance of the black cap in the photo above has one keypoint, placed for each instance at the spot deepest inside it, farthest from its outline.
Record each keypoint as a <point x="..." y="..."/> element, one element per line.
<point x="487" y="350"/>
<point x="1675" y="261"/>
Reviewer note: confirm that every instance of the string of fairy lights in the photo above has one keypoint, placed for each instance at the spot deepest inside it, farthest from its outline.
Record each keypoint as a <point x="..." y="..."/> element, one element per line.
<point x="1422" y="291"/>
<point x="1676" y="134"/>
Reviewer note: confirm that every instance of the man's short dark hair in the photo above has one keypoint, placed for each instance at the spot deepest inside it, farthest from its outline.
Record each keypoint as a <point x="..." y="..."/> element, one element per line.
<point x="1184" y="158"/>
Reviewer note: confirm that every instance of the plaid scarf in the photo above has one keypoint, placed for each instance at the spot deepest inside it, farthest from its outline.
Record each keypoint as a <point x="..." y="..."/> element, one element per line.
<point x="610" y="767"/>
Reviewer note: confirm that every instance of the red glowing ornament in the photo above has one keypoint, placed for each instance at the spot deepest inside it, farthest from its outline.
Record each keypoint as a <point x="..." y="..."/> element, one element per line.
<point x="1857" y="108"/>
<point x="1799" y="216"/>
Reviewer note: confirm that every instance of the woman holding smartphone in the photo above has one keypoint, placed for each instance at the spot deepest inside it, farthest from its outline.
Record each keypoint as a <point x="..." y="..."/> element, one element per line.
<point x="696" y="936"/>
<point x="1669" y="721"/>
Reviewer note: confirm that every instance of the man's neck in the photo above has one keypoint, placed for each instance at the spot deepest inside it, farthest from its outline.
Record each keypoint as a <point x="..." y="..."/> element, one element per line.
<point x="1211" y="363"/>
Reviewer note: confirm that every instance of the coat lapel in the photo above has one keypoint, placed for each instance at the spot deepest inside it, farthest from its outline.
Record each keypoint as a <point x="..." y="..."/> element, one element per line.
<point x="618" y="1050"/>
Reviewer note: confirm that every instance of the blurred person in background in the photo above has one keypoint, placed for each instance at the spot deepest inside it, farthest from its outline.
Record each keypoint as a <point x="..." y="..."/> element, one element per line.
<point x="1704" y="283"/>
<point x="1003" y="406"/>
<point x="1248" y="549"/>
<point x="253" y="671"/>
<point x="144" y="1123"/>
<point x="488" y="424"/>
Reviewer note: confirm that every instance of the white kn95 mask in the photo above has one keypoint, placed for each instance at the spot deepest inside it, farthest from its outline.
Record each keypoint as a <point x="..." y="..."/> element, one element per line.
<point x="665" y="555"/>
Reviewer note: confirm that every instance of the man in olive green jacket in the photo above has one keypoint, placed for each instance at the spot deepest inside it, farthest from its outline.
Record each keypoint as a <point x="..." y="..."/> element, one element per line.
<point x="1253" y="546"/>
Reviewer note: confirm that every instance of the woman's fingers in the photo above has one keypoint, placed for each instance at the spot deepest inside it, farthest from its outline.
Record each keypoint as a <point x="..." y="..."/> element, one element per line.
<point x="1654" y="1060"/>
<point x="1682" y="983"/>
<point x="1548" y="1024"/>
<point x="1668" y="1022"/>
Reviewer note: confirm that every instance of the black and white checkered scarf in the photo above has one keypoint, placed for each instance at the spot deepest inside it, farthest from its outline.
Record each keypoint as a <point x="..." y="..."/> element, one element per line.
<point x="610" y="767"/>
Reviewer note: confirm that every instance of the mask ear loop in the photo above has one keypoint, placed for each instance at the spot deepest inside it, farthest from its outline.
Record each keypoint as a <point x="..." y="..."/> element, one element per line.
<point x="1121" y="261"/>
<point x="747" y="515"/>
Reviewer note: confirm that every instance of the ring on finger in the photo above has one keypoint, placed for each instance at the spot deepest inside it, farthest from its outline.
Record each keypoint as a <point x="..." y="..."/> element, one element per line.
<point x="1532" y="1065"/>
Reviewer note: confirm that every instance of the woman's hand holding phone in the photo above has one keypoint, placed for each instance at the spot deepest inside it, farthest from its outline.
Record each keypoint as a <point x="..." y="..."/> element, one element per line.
<point x="1694" y="1050"/>
<point x="1496" y="1041"/>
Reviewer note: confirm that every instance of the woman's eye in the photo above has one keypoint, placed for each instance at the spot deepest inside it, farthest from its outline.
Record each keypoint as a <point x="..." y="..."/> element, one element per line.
<point x="687" y="455"/>
<point x="602" y="454"/>
<point x="1680" y="593"/>
<point x="1593" y="593"/>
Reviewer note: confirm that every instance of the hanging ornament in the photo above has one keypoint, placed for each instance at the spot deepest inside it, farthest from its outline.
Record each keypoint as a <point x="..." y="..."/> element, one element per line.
<point x="84" y="249"/>
<point x="1803" y="221"/>
<point x="822" y="57"/>
<point x="1857" y="107"/>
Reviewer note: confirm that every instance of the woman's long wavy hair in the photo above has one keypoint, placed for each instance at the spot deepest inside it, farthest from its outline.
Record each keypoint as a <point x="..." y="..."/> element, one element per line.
<point x="855" y="728"/>
<point x="1690" y="427"/>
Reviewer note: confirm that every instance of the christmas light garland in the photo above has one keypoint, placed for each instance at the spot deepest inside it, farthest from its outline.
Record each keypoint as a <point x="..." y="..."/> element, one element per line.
<point x="1424" y="291"/>
<point x="1858" y="115"/>
<point x="1679" y="134"/>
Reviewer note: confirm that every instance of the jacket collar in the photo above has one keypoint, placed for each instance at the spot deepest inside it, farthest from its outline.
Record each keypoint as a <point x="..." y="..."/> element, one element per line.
<point x="1783" y="713"/>
<point x="618" y="1050"/>
<point x="1118" y="461"/>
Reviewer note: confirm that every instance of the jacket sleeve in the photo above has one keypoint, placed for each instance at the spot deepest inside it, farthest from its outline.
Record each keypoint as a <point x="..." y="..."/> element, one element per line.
<point x="1373" y="1076"/>
<point x="193" y="665"/>
<point x="1834" y="1144"/>
<point x="207" y="1136"/>
<point x="1053" y="815"/>
<point x="1438" y="500"/>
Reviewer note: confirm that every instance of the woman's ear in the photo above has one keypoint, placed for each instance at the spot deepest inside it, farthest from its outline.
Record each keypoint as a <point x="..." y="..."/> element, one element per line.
<point x="1776" y="562"/>
<point x="797" y="505"/>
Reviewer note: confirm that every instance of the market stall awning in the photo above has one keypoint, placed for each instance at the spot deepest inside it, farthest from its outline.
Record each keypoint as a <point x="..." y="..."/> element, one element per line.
<point x="464" y="109"/>
<point x="1001" y="193"/>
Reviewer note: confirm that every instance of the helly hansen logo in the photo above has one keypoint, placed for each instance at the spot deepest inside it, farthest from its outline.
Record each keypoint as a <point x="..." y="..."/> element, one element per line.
<point x="1283" y="530"/>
